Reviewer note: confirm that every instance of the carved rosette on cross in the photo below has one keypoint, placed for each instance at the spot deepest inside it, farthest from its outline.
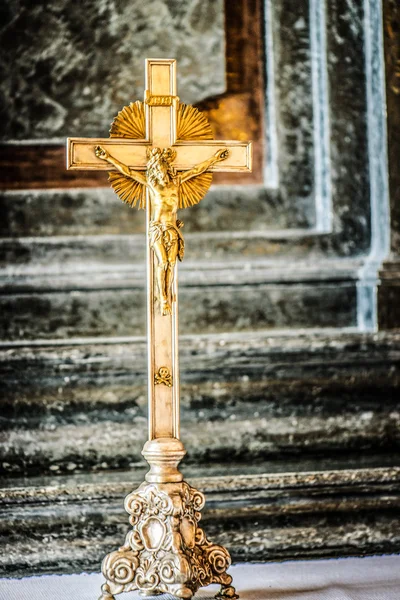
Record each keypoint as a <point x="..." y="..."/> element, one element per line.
<point x="160" y="155"/>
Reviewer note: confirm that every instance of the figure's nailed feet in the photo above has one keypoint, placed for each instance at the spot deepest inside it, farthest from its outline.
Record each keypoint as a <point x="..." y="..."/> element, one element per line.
<point x="227" y="593"/>
<point x="166" y="308"/>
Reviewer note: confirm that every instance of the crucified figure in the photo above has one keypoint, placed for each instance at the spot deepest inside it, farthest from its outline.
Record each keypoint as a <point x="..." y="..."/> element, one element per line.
<point x="163" y="182"/>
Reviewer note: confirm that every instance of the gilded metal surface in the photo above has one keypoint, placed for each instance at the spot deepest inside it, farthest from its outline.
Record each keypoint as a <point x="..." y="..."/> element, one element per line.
<point x="169" y="189"/>
<point x="161" y="152"/>
<point x="164" y="184"/>
<point x="166" y="551"/>
<point x="191" y="124"/>
<point x="165" y="100"/>
<point x="163" y="376"/>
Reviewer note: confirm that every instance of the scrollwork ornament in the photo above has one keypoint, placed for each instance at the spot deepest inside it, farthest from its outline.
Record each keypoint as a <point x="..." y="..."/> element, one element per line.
<point x="166" y="552"/>
<point x="133" y="506"/>
<point x="163" y="504"/>
<point x="134" y="541"/>
<point x="198" y="501"/>
<point x="119" y="568"/>
<point x="157" y="502"/>
<point x="219" y="559"/>
<point x="169" y="569"/>
<point x="200" y="537"/>
<point x="147" y="578"/>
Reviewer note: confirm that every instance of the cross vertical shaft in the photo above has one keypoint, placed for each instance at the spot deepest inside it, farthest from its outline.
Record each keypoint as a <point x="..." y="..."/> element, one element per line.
<point x="190" y="154"/>
<point x="162" y="329"/>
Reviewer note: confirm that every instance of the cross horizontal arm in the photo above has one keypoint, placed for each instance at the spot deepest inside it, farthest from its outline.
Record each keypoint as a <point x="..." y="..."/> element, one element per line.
<point x="80" y="154"/>
<point x="189" y="154"/>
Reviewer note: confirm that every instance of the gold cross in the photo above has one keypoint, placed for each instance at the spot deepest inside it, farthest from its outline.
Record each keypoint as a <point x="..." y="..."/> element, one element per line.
<point x="131" y="158"/>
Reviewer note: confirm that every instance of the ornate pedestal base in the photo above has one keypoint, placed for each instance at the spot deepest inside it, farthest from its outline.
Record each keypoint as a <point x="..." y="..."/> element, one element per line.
<point x="166" y="552"/>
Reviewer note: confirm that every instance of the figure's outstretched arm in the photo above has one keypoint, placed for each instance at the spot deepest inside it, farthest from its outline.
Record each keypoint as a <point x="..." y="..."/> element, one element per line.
<point x="202" y="167"/>
<point x="136" y="175"/>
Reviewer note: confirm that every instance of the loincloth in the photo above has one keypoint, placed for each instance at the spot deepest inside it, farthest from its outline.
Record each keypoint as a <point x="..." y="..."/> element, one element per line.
<point x="169" y="235"/>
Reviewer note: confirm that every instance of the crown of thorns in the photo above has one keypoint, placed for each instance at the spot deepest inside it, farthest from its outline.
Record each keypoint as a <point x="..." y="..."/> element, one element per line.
<point x="156" y="155"/>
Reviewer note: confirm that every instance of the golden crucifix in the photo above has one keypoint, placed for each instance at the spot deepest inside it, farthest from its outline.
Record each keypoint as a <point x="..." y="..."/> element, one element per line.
<point x="160" y="154"/>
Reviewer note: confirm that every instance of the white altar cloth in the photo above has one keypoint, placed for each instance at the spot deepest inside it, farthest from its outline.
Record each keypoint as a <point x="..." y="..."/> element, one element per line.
<point x="371" y="578"/>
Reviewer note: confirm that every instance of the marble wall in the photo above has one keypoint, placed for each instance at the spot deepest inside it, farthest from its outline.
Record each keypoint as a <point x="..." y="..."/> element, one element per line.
<point x="67" y="67"/>
<point x="300" y="251"/>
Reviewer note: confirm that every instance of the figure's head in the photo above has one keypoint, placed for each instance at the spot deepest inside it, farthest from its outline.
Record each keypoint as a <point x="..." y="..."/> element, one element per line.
<point x="159" y="168"/>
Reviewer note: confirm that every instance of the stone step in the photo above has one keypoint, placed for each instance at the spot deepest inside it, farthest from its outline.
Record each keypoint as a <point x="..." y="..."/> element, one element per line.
<point x="54" y="254"/>
<point x="99" y="211"/>
<point x="67" y="524"/>
<point x="74" y="298"/>
<point x="80" y="405"/>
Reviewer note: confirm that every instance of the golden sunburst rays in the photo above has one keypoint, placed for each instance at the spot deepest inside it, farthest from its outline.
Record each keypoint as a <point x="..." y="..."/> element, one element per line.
<point x="194" y="190"/>
<point x="191" y="125"/>
<point x="128" y="190"/>
<point x="129" y="122"/>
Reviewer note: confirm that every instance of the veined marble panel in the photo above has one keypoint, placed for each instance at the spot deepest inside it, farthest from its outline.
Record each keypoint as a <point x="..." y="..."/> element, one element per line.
<point x="67" y="67"/>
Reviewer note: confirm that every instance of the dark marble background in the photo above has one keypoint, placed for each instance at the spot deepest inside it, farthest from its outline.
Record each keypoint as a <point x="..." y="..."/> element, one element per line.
<point x="67" y="67"/>
<point x="290" y="412"/>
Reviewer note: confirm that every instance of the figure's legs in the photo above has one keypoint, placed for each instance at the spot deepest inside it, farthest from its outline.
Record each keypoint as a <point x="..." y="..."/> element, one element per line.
<point x="163" y="289"/>
<point x="170" y="240"/>
<point x="161" y="268"/>
<point x="169" y="279"/>
<point x="166" y="247"/>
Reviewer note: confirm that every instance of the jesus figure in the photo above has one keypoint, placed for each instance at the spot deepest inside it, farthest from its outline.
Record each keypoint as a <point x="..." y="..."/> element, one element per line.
<point x="163" y="182"/>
